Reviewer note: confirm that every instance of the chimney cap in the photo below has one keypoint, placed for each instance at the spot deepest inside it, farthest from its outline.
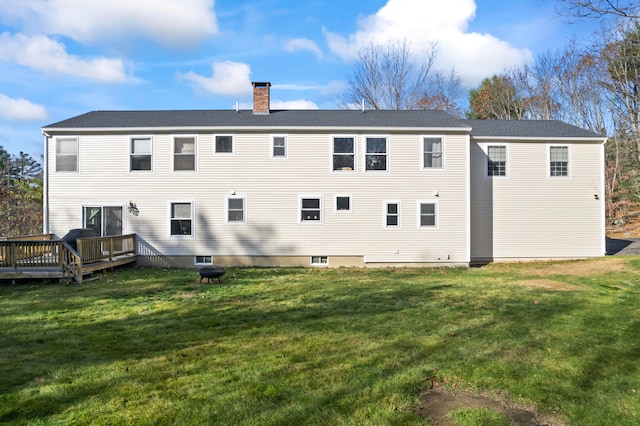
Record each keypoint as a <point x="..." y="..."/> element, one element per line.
<point x="261" y="84"/>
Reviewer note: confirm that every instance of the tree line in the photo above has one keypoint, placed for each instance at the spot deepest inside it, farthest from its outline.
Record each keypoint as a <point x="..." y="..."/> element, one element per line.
<point x="594" y="85"/>
<point x="20" y="195"/>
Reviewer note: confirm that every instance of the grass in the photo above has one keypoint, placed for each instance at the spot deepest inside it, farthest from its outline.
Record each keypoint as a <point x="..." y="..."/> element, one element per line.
<point x="321" y="346"/>
<point x="479" y="417"/>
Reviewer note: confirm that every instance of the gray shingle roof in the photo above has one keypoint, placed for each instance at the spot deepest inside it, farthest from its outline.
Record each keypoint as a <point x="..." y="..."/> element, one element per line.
<point x="246" y="118"/>
<point x="334" y="119"/>
<point x="527" y="128"/>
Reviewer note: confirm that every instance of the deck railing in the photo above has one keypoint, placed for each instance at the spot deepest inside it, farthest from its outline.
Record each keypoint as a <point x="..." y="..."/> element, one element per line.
<point x="38" y="252"/>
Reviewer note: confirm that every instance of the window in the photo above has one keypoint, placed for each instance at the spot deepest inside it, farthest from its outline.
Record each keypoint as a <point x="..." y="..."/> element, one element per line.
<point x="279" y="147"/>
<point x="224" y="144"/>
<point x="376" y="156"/>
<point x="559" y="161"/>
<point x="181" y="219"/>
<point x="343" y="203"/>
<point x="427" y="212"/>
<point x="496" y="160"/>
<point x="184" y="153"/>
<point x="140" y="154"/>
<point x="235" y="210"/>
<point x="319" y="260"/>
<point x="344" y="153"/>
<point x="67" y="155"/>
<point x="104" y="220"/>
<point x="203" y="260"/>
<point x="311" y="209"/>
<point x="392" y="214"/>
<point x="432" y="152"/>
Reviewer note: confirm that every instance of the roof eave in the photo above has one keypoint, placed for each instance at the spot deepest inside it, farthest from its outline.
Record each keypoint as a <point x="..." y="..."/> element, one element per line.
<point x="256" y="128"/>
<point x="601" y="139"/>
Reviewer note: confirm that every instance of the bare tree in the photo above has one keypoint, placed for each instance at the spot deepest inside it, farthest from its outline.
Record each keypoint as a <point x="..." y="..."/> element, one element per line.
<point x="388" y="77"/>
<point x="443" y="93"/>
<point x="597" y="9"/>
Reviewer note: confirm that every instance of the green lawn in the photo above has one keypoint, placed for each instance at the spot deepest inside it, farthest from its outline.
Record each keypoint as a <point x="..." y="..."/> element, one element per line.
<point x="321" y="346"/>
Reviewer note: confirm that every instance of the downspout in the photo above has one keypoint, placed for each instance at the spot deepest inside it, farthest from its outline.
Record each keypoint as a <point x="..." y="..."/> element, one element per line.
<point x="45" y="185"/>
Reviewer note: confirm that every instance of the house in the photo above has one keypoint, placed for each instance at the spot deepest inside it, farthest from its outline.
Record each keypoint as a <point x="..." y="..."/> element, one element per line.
<point x="327" y="188"/>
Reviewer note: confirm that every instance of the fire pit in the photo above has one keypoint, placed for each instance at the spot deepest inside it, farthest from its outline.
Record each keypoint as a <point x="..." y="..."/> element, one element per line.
<point x="209" y="272"/>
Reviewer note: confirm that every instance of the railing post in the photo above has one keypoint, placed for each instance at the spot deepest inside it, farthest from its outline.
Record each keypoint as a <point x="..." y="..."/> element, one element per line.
<point x="111" y="248"/>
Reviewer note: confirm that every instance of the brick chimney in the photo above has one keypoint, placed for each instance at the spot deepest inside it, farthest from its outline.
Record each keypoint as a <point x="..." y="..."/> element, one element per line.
<point x="261" y="97"/>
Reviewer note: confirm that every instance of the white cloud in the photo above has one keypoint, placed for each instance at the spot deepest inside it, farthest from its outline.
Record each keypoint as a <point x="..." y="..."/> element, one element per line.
<point x="421" y="23"/>
<point x="20" y="109"/>
<point x="228" y="78"/>
<point x="170" y="22"/>
<point x="294" y="104"/>
<point x="302" y="44"/>
<point x="44" y="54"/>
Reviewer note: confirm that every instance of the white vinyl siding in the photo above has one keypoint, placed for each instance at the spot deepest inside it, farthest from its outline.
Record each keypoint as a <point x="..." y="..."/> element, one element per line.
<point x="273" y="189"/>
<point x="529" y="215"/>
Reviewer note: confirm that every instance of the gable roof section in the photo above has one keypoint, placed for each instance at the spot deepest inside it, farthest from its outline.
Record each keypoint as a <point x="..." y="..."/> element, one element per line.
<point x="527" y="129"/>
<point x="132" y="120"/>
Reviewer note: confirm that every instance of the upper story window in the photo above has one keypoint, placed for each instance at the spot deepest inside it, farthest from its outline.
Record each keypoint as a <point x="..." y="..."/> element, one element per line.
<point x="184" y="153"/>
<point x="67" y="155"/>
<point x="279" y="146"/>
<point x="224" y="144"/>
<point x="140" y="154"/>
<point x="181" y="219"/>
<point x="311" y="209"/>
<point x="376" y="155"/>
<point x="344" y="153"/>
<point x="432" y="152"/>
<point x="236" y="210"/>
<point x="559" y="160"/>
<point x="496" y="160"/>
<point x="392" y="214"/>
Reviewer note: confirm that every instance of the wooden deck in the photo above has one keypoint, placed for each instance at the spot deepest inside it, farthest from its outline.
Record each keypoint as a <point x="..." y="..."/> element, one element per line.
<point x="40" y="256"/>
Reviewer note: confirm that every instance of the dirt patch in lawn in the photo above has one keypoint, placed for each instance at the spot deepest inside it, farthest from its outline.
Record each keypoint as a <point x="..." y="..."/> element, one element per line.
<point x="582" y="268"/>
<point x="438" y="403"/>
<point x="549" y="285"/>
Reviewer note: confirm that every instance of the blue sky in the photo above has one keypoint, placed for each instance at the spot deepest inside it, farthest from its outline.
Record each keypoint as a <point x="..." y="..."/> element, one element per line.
<point x="61" y="58"/>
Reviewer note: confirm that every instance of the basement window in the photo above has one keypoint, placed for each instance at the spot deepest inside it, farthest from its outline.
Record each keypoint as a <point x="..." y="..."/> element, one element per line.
<point x="203" y="260"/>
<point x="319" y="260"/>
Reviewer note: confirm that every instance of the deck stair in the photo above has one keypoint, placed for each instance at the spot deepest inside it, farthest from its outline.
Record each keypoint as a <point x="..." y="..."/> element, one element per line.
<point x="43" y="256"/>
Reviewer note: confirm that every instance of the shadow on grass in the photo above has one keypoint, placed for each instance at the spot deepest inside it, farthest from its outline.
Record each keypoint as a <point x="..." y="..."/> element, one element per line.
<point x="277" y="331"/>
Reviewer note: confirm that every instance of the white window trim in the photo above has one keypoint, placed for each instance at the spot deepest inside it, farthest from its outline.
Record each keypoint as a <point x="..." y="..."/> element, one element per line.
<point x="193" y="220"/>
<point x="196" y="263"/>
<point x="444" y="150"/>
<point x="311" y="222"/>
<point x="350" y="196"/>
<point x="319" y="264"/>
<point x="437" y="214"/>
<point x="55" y="154"/>
<point x="286" y="146"/>
<point x="384" y="214"/>
<point x="355" y="153"/>
<point x="364" y="153"/>
<point x="153" y="153"/>
<point x="244" y="209"/>
<point x="569" y="166"/>
<point x="233" y="145"/>
<point x="102" y="206"/>
<point x="486" y="163"/>
<point x="195" y="153"/>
